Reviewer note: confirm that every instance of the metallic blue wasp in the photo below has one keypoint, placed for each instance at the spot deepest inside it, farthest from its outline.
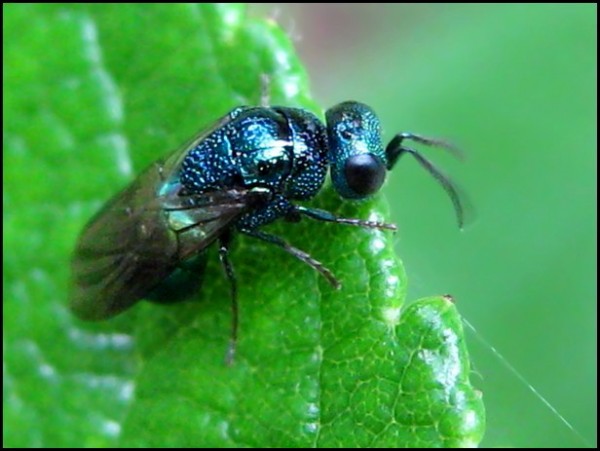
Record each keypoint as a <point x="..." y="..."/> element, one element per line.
<point x="242" y="173"/>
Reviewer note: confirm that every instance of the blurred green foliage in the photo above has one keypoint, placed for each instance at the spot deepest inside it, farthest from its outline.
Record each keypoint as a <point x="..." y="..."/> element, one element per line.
<point x="93" y="93"/>
<point x="516" y="86"/>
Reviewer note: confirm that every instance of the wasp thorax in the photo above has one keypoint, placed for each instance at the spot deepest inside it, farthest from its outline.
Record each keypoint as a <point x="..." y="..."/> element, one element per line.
<point x="264" y="167"/>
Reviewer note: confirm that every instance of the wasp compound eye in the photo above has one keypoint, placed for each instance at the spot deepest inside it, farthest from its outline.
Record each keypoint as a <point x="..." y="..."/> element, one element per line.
<point x="365" y="173"/>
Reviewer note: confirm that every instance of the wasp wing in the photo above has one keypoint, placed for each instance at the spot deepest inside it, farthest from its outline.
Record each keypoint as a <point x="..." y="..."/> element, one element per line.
<point x="136" y="241"/>
<point x="139" y="238"/>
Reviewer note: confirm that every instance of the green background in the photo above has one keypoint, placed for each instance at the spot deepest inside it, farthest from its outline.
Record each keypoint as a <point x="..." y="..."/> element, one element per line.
<point x="515" y="85"/>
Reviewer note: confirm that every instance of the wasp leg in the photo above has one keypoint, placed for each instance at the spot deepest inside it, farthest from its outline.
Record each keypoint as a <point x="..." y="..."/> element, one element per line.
<point x="324" y="215"/>
<point x="229" y="272"/>
<point x="299" y="254"/>
<point x="265" y="90"/>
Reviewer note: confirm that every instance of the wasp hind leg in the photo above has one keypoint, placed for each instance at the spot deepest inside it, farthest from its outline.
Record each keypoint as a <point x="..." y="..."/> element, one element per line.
<point x="265" y="90"/>
<point x="224" y="242"/>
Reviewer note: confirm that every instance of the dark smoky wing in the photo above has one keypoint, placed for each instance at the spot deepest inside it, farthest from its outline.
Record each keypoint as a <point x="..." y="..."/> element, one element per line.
<point x="138" y="239"/>
<point x="121" y="252"/>
<point x="198" y="220"/>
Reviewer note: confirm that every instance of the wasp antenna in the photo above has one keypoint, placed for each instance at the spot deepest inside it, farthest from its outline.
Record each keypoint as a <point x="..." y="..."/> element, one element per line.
<point x="449" y="186"/>
<point x="394" y="149"/>
<point x="434" y="142"/>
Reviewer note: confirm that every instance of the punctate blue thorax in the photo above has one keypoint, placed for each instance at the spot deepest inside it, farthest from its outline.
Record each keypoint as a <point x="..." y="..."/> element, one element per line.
<point x="283" y="149"/>
<point x="240" y="153"/>
<point x="278" y="148"/>
<point x="309" y="140"/>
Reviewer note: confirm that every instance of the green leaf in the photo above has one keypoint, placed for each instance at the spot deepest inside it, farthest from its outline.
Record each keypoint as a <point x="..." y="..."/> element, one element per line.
<point x="93" y="93"/>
